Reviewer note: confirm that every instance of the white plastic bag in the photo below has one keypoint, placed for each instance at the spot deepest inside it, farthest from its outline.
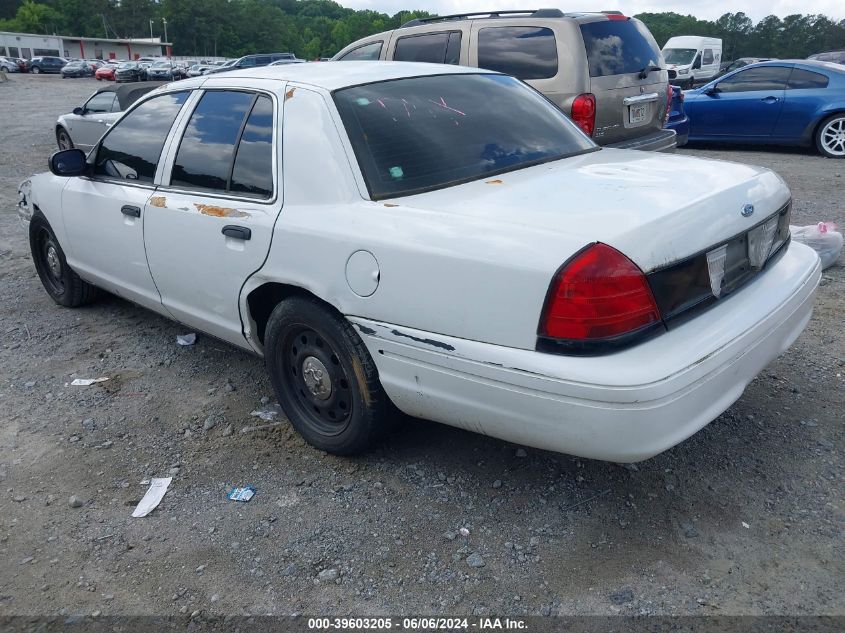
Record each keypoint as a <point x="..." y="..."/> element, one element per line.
<point x="822" y="238"/>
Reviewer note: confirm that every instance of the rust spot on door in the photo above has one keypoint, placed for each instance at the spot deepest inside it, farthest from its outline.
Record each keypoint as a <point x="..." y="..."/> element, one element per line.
<point x="158" y="201"/>
<point x="289" y="94"/>
<point x="494" y="182"/>
<point x="220" y="212"/>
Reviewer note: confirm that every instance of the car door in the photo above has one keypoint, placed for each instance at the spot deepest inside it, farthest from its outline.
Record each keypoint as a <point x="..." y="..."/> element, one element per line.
<point x="746" y="104"/>
<point x="806" y="95"/>
<point x="103" y="211"/>
<point x="87" y="128"/>
<point x="209" y="225"/>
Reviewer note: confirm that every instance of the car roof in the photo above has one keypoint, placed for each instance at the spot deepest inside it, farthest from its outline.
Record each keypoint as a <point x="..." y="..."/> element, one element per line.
<point x="805" y="63"/>
<point x="335" y="75"/>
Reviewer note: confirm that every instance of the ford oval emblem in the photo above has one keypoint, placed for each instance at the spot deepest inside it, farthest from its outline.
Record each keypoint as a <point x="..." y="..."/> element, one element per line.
<point x="748" y="210"/>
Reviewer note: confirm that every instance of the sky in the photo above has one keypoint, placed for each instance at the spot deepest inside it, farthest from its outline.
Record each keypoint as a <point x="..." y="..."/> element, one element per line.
<point x="705" y="9"/>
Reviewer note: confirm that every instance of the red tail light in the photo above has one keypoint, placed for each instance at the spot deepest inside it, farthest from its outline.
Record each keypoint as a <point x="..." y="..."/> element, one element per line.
<point x="668" y="102"/>
<point x="598" y="294"/>
<point x="584" y="112"/>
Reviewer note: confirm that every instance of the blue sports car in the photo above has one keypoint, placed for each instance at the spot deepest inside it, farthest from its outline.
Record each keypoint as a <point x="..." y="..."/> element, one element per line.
<point x="776" y="103"/>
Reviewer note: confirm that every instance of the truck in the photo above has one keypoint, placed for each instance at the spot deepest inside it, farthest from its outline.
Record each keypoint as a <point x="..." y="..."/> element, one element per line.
<point x="693" y="58"/>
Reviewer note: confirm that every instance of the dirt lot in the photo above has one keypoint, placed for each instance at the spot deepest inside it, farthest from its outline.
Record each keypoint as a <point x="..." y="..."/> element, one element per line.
<point x="746" y="517"/>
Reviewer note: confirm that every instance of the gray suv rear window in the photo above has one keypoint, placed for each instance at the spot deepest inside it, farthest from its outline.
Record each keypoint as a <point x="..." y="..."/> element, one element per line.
<point x="618" y="47"/>
<point x="526" y="52"/>
<point x="417" y="134"/>
<point x="434" y="48"/>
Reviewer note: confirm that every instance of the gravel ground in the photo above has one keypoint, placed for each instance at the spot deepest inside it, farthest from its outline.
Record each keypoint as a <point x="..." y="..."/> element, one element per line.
<point x="746" y="517"/>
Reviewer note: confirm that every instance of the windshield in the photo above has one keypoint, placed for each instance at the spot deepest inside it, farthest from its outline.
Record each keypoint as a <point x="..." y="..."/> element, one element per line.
<point x="681" y="56"/>
<point x="161" y="65"/>
<point x="422" y="133"/>
<point x="127" y="65"/>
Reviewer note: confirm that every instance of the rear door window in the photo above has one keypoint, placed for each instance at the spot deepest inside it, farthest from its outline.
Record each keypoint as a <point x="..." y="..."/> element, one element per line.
<point x="252" y="174"/>
<point x="618" y="47"/>
<point x="708" y="56"/>
<point x="526" y="52"/>
<point x="132" y="148"/>
<point x="367" y="52"/>
<point x="766" y="78"/>
<point x="801" y="79"/>
<point x="204" y="159"/>
<point x="227" y="145"/>
<point x="434" y="48"/>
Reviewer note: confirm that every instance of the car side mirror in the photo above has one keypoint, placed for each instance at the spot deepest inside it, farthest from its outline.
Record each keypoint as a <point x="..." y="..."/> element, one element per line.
<point x="712" y="91"/>
<point x="79" y="111"/>
<point x="697" y="63"/>
<point x="68" y="162"/>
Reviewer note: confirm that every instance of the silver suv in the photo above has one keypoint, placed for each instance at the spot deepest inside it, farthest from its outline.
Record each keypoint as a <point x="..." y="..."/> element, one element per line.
<point x="603" y="69"/>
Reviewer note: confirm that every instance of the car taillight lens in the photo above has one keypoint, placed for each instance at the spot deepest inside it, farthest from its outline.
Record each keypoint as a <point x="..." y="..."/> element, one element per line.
<point x="598" y="294"/>
<point x="584" y="112"/>
<point x="668" y="102"/>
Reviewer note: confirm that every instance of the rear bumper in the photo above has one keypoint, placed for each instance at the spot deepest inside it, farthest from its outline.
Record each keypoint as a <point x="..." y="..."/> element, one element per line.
<point x="659" y="141"/>
<point x="681" y="127"/>
<point x="622" y="407"/>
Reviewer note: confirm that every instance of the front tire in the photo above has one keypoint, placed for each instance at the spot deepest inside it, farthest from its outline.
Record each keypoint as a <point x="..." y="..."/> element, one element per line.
<point x="830" y="136"/>
<point x="35" y="70"/>
<point x="325" y="378"/>
<point x="63" y="285"/>
<point x="63" y="139"/>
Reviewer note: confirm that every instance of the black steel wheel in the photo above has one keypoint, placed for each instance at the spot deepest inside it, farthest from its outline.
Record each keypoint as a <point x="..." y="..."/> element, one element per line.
<point x="63" y="285"/>
<point x="324" y="377"/>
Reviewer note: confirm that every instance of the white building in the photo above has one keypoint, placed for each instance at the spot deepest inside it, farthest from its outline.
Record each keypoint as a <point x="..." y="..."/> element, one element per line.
<point x="28" y="45"/>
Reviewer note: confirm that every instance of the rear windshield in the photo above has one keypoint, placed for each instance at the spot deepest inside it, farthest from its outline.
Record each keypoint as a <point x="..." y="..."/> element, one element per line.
<point x="618" y="47"/>
<point x="422" y="133"/>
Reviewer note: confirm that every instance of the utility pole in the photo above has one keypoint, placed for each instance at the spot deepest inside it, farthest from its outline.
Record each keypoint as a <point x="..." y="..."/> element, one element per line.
<point x="165" y="28"/>
<point x="105" y="28"/>
<point x="151" y="29"/>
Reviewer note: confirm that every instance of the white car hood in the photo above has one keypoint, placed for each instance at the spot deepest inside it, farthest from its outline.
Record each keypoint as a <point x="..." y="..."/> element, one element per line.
<point x="656" y="208"/>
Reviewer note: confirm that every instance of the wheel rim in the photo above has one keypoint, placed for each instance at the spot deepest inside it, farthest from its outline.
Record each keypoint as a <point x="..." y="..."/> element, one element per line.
<point x="52" y="262"/>
<point x="833" y="137"/>
<point x="317" y="383"/>
<point x="36" y="70"/>
<point x="64" y="140"/>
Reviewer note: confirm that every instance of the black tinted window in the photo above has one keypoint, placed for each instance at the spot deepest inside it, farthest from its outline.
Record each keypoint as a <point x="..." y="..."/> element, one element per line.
<point x="205" y="155"/>
<point x="263" y="60"/>
<point x="367" y="52"/>
<point x="526" y="52"/>
<point x="801" y="79"/>
<point x="435" y="48"/>
<point x="756" y="79"/>
<point x="253" y="171"/>
<point x="412" y="135"/>
<point x="708" y="56"/>
<point x="132" y="148"/>
<point x="617" y="47"/>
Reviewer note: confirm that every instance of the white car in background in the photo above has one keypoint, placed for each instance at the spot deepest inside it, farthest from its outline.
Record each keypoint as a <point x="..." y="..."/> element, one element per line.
<point x="439" y="239"/>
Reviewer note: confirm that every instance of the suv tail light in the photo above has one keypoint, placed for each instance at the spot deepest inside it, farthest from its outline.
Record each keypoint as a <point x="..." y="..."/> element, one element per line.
<point x="597" y="295"/>
<point x="669" y="102"/>
<point x="584" y="112"/>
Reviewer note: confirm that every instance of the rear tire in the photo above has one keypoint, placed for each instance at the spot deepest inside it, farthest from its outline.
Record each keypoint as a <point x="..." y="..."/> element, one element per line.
<point x="35" y="70"/>
<point x="63" y="285"/>
<point x="325" y="378"/>
<point x="830" y="136"/>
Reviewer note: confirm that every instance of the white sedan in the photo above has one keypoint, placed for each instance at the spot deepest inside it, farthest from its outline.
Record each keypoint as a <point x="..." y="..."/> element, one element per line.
<point x="439" y="239"/>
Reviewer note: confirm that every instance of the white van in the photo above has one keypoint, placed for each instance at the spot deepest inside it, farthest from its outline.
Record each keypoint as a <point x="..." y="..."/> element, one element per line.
<point x="693" y="58"/>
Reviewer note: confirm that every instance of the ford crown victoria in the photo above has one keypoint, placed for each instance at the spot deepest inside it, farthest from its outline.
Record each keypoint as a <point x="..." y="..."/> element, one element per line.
<point x="442" y="240"/>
